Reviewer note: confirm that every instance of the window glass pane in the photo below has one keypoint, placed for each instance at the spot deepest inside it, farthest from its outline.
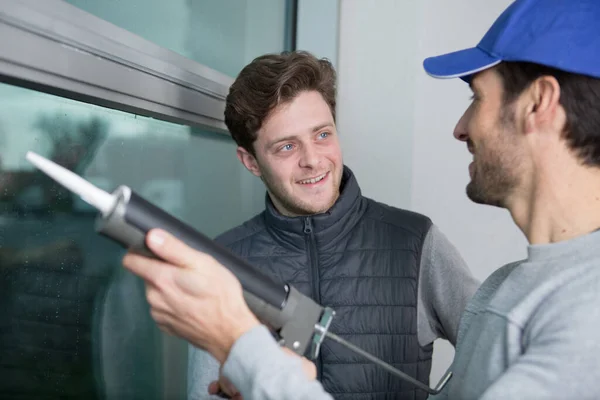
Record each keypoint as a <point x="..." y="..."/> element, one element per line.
<point x="223" y="34"/>
<point x="73" y="323"/>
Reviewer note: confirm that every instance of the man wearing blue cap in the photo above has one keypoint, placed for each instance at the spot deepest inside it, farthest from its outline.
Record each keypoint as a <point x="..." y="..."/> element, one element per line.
<point x="533" y="127"/>
<point x="532" y="329"/>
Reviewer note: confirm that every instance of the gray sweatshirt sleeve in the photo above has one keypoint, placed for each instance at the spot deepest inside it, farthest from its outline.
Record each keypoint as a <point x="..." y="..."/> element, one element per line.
<point x="258" y="368"/>
<point x="557" y="355"/>
<point x="445" y="287"/>
<point x="202" y="370"/>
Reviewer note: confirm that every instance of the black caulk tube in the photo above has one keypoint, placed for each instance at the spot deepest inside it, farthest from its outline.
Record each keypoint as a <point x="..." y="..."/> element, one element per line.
<point x="285" y="310"/>
<point x="144" y="216"/>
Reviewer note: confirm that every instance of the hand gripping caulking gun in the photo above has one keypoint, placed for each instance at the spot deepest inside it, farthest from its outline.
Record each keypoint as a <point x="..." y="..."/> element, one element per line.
<point x="298" y="322"/>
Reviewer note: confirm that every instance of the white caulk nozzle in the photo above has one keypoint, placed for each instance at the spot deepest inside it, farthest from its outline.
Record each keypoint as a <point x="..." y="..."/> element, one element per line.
<point x="89" y="193"/>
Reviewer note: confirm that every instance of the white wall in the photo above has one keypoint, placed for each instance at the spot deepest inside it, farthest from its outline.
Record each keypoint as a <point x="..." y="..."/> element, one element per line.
<point x="396" y="122"/>
<point x="317" y="28"/>
<point x="376" y="71"/>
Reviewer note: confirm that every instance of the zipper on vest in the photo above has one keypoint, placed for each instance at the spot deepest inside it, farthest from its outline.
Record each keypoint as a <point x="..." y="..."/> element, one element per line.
<point x="313" y="262"/>
<point x="312" y="259"/>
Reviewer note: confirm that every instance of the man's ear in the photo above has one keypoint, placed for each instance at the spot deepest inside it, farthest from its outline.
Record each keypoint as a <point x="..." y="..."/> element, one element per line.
<point x="544" y="111"/>
<point x="248" y="160"/>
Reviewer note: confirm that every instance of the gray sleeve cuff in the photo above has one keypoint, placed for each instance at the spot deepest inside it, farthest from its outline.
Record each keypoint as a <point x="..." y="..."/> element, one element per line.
<point x="246" y="355"/>
<point x="202" y="370"/>
<point x="258" y="368"/>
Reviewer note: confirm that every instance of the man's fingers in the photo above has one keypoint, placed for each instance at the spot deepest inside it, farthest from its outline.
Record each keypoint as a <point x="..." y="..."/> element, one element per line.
<point x="156" y="299"/>
<point x="214" y="387"/>
<point x="146" y="268"/>
<point x="309" y="368"/>
<point x="226" y="387"/>
<point x="170" y="249"/>
<point x="289" y="352"/>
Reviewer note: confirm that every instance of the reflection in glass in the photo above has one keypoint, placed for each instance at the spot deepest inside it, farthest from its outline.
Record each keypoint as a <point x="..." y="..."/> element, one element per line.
<point x="73" y="323"/>
<point x="223" y="35"/>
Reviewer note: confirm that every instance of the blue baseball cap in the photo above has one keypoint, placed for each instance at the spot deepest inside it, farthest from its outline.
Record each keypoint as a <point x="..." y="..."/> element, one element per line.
<point x="562" y="34"/>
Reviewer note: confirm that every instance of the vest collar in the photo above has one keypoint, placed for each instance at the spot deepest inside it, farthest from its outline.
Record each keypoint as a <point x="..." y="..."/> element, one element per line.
<point x="326" y="227"/>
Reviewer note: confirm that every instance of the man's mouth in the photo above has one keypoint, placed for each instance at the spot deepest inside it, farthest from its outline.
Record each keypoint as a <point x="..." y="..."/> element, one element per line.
<point x="313" y="180"/>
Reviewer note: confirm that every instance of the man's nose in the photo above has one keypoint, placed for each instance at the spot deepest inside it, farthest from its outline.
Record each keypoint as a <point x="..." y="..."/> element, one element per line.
<point x="460" y="130"/>
<point x="310" y="156"/>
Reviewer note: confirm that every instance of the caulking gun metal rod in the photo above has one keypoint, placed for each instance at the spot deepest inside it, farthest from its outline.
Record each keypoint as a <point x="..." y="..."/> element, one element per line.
<point x="383" y="364"/>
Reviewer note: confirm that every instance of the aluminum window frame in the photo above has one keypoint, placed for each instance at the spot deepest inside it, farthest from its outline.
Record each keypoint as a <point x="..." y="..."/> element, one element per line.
<point x="54" y="47"/>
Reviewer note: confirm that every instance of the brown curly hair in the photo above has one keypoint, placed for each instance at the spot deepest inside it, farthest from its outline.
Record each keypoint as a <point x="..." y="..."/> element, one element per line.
<point x="269" y="81"/>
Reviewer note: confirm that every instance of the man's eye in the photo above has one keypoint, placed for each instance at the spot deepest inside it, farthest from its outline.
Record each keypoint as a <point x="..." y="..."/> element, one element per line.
<point x="286" y="147"/>
<point x="323" y="135"/>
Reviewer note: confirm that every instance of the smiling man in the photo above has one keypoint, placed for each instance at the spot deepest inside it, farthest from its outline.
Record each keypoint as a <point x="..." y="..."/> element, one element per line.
<point x="533" y="128"/>
<point x="395" y="281"/>
<point x="300" y="156"/>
